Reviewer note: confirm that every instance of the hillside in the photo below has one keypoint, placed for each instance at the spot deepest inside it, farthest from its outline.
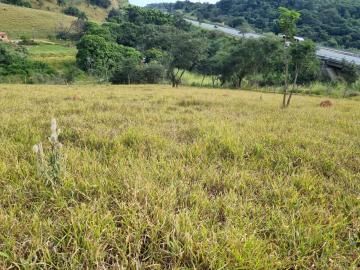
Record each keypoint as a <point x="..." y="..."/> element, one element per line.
<point x="18" y="21"/>
<point x="93" y="12"/>
<point x="161" y="178"/>
<point x="333" y="23"/>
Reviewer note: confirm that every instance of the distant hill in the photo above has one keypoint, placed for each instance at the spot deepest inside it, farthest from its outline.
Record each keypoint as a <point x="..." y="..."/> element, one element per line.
<point x="332" y="22"/>
<point x="17" y="21"/>
<point x="93" y="12"/>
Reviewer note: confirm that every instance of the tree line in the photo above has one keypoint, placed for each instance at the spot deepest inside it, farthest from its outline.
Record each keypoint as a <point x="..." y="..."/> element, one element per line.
<point x="136" y="42"/>
<point x="141" y="45"/>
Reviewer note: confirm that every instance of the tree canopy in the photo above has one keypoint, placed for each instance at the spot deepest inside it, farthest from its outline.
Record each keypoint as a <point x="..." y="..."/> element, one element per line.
<point x="332" y="22"/>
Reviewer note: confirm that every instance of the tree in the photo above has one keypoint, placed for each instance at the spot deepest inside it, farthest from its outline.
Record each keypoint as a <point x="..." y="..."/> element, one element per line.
<point x="101" y="58"/>
<point x="248" y="57"/>
<point x="212" y="64"/>
<point x="303" y="61"/>
<point x="186" y="52"/>
<point x="287" y="23"/>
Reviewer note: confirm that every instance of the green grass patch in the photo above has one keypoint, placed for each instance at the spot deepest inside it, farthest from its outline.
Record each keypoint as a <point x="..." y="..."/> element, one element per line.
<point x="52" y="50"/>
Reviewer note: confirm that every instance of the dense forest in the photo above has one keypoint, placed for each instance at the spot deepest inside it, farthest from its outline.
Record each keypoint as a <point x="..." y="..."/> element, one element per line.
<point x="334" y="23"/>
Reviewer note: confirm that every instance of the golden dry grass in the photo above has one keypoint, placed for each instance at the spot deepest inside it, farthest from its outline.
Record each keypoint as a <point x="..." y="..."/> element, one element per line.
<point x="161" y="178"/>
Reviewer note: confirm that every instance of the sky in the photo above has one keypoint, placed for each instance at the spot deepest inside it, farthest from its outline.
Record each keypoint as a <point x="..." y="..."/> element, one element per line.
<point x="145" y="2"/>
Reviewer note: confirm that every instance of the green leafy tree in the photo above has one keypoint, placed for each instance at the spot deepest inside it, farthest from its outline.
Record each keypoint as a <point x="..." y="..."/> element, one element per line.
<point x="249" y="57"/>
<point x="101" y="58"/>
<point x="186" y="52"/>
<point x="287" y="23"/>
<point x="331" y="22"/>
<point x="213" y="64"/>
<point x="303" y="61"/>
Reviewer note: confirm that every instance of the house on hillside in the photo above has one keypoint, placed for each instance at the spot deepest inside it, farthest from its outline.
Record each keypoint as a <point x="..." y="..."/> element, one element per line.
<point x="4" y="37"/>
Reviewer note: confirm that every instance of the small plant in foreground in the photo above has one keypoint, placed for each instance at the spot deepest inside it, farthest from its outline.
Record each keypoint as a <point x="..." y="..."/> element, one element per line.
<point x="50" y="166"/>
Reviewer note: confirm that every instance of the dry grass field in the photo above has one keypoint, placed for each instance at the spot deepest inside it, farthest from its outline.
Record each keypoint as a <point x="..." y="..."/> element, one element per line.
<point x="162" y="178"/>
<point x="93" y="12"/>
<point x="20" y="21"/>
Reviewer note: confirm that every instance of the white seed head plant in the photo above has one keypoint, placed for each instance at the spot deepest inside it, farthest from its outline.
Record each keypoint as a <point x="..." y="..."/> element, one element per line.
<point x="50" y="165"/>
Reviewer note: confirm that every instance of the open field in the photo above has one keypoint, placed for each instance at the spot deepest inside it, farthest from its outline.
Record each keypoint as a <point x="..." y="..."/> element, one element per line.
<point x="19" y="21"/>
<point x="158" y="178"/>
<point x="52" y="49"/>
<point x="58" y="56"/>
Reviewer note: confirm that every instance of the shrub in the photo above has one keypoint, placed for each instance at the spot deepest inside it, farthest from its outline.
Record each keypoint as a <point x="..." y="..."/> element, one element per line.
<point x="153" y="72"/>
<point x="20" y="3"/>
<point x="133" y="72"/>
<point x="74" y="11"/>
<point x="102" y="58"/>
<point x="101" y="3"/>
<point x="15" y="64"/>
<point x="27" y="41"/>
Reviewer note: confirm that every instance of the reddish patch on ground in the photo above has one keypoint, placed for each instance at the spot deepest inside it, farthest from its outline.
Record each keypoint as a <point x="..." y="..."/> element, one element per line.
<point x="75" y="97"/>
<point x="326" y="104"/>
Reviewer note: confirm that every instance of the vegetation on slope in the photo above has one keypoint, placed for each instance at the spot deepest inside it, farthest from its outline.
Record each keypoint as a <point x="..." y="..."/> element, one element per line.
<point x="172" y="179"/>
<point x="20" y="21"/>
<point x="15" y="65"/>
<point x="94" y="9"/>
<point x="334" y="23"/>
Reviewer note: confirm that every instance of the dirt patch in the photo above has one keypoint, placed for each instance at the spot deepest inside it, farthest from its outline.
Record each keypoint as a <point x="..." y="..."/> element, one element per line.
<point x="326" y="104"/>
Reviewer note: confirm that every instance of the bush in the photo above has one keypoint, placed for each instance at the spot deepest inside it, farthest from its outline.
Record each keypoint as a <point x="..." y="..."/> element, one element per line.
<point x="74" y="11"/>
<point x="20" y="3"/>
<point x="153" y="72"/>
<point x="100" y="57"/>
<point x="14" y="63"/>
<point x="27" y="41"/>
<point x="134" y="73"/>
<point x="101" y="3"/>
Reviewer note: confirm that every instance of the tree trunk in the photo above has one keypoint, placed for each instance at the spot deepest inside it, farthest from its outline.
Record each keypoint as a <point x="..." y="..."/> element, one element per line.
<point x="172" y="76"/>
<point x="346" y="89"/>
<point x="178" y="80"/>
<point x="202" y="81"/>
<point x="238" y="81"/>
<point x="293" y="87"/>
<point x="286" y="86"/>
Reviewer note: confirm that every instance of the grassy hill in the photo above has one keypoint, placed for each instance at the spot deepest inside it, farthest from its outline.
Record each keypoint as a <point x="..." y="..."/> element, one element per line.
<point x="18" y="21"/>
<point x="93" y="12"/>
<point x="45" y="17"/>
<point x="161" y="178"/>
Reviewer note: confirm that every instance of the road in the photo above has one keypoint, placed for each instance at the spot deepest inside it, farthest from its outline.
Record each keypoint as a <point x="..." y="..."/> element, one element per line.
<point x="322" y="52"/>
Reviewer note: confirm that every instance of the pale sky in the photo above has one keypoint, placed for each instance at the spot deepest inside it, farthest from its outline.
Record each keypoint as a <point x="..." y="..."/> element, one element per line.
<point x="145" y="2"/>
